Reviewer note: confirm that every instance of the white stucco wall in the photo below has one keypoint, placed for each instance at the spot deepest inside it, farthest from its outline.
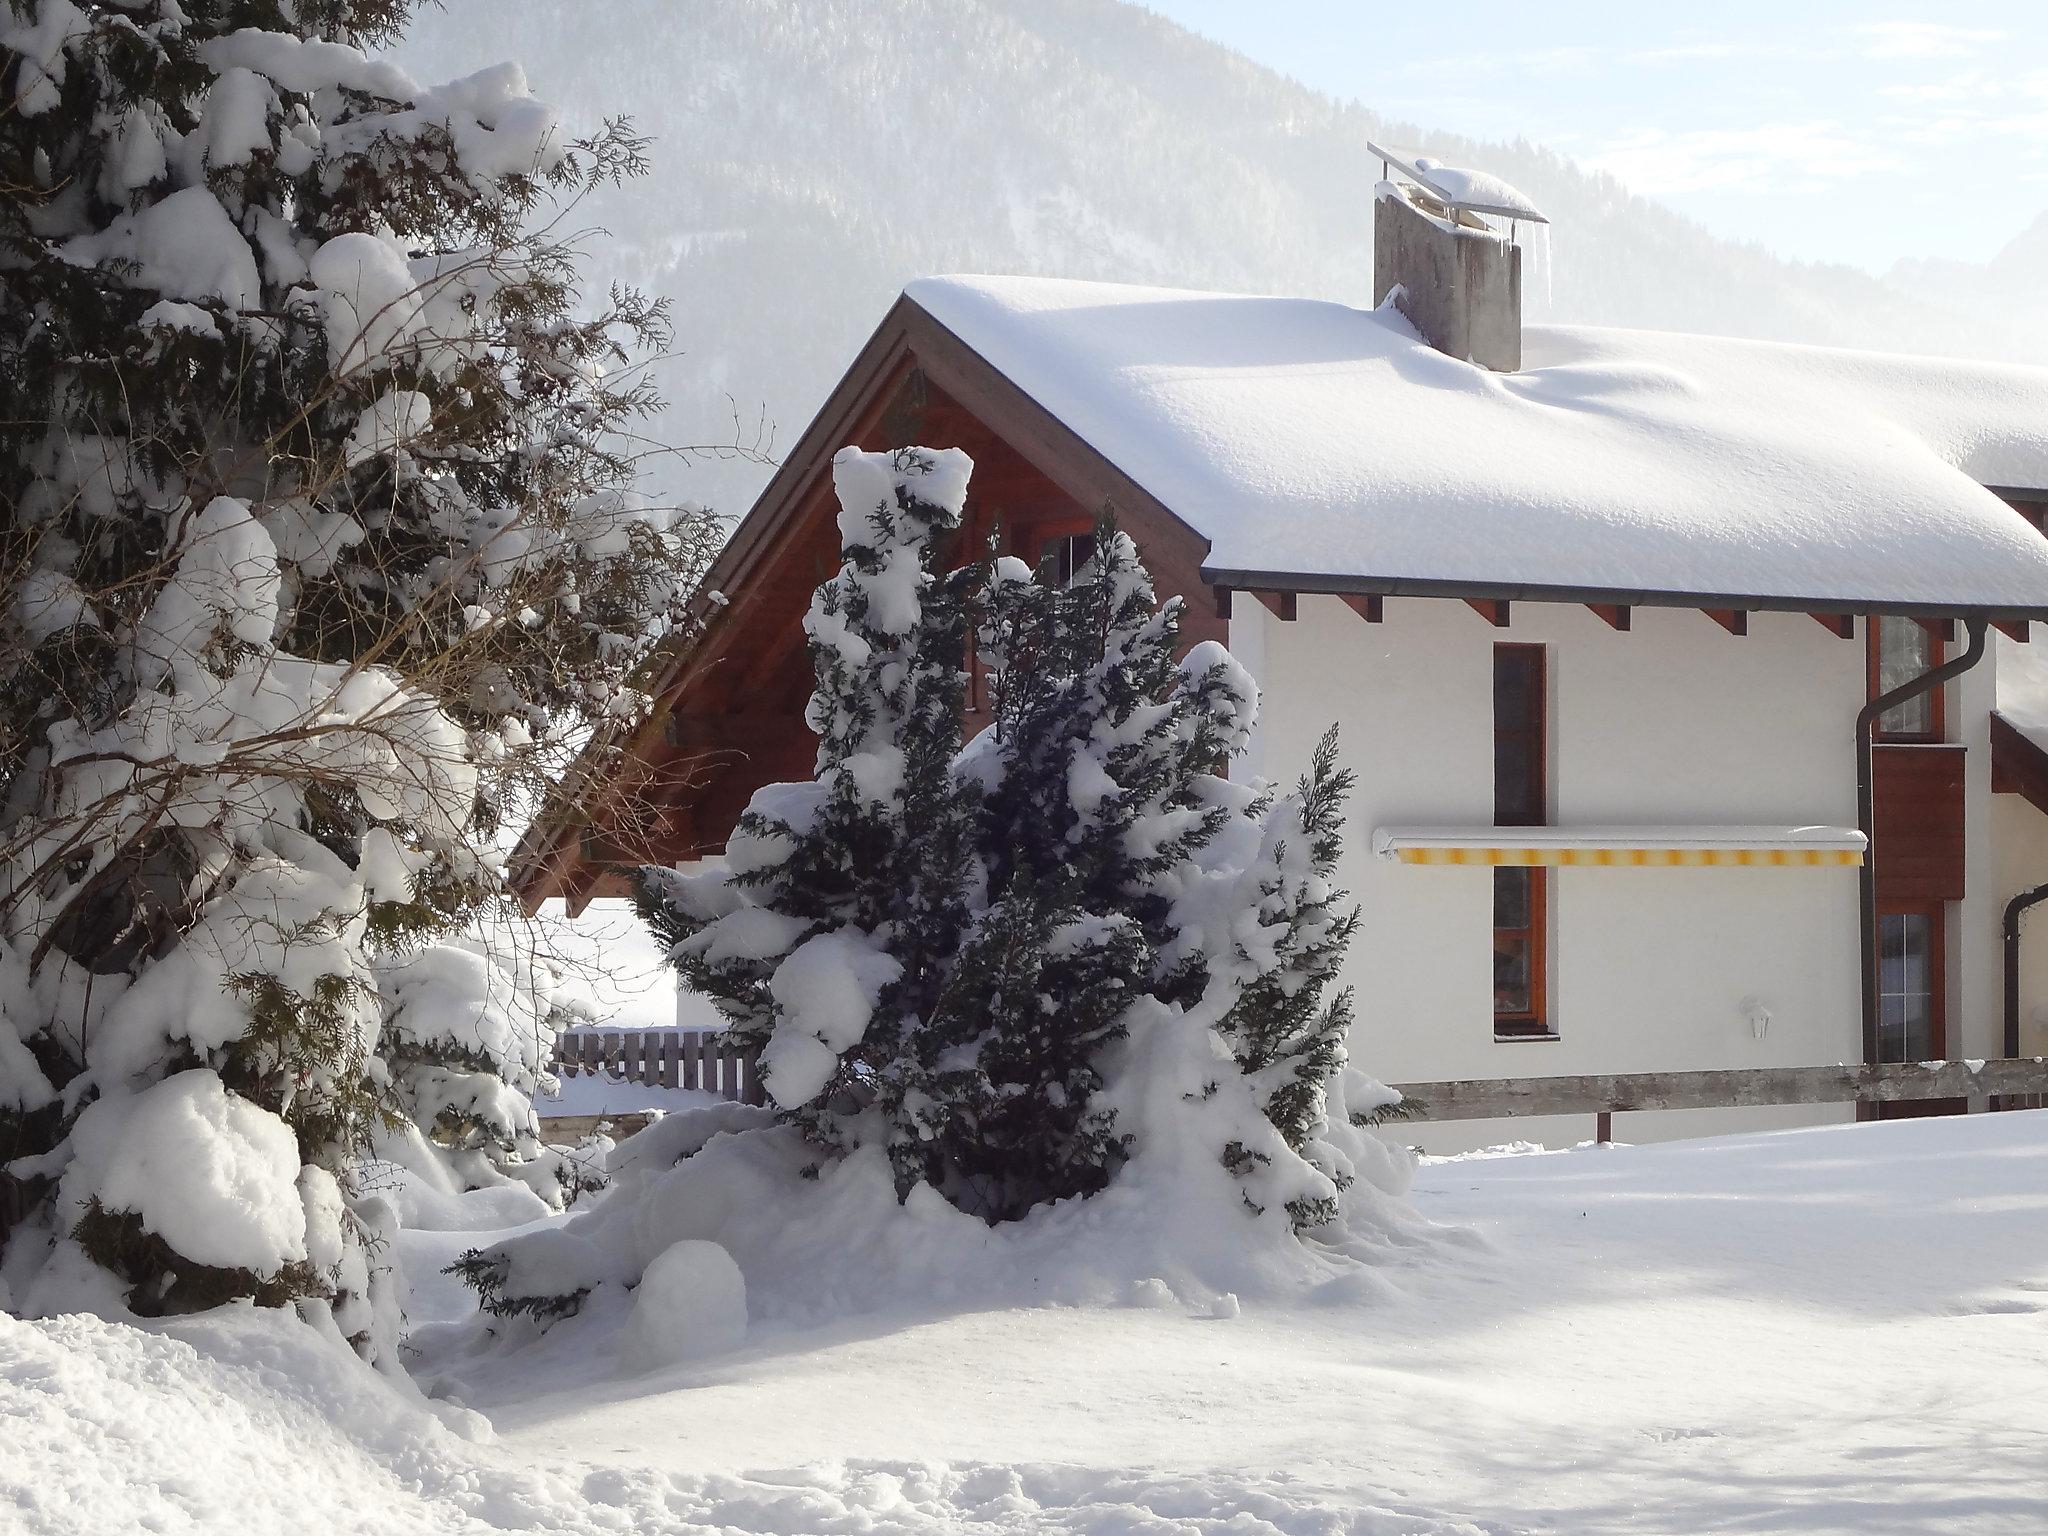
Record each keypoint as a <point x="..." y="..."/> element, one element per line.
<point x="1677" y="722"/>
<point x="2020" y="842"/>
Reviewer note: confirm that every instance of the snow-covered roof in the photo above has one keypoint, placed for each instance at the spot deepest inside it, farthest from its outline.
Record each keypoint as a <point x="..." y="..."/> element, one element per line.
<point x="1317" y="442"/>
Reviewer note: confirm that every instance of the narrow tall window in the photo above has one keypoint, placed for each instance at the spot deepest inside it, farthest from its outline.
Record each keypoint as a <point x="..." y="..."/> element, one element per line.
<point x="1901" y="650"/>
<point x="1909" y="985"/>
<point x="1520" y="799"/>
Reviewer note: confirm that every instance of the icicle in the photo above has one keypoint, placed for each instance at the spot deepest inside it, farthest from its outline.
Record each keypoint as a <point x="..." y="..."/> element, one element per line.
<point x="1540" y="246"/>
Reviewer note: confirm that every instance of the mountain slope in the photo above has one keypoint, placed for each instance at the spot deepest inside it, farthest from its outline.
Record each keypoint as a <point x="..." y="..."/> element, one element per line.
<point x="813" y="155"/>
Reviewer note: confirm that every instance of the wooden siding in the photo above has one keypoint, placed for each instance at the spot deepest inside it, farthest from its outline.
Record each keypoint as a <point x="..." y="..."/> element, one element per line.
<point x="728" y="716"/>
<point x="1918" y="823"/>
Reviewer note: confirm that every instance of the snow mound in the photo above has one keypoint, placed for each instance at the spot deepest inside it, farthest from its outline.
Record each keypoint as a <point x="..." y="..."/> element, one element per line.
<point x="248" y="1422"/>
<point x="214" y="1175"/>
<point x="817" y="1241"/>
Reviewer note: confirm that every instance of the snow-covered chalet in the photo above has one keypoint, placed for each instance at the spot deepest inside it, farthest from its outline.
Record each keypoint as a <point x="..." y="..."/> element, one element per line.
<point x="1599" y="613"/>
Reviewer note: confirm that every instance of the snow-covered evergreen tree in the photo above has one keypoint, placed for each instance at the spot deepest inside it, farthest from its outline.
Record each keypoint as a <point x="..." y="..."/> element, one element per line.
<point x="825" y="936"/>
<point x="939" y="949"/>
<point x="320" y="548"/>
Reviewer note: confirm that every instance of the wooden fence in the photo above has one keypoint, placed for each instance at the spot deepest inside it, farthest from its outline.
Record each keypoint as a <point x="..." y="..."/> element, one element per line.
<point x="2019" y="1083"/>
<point x="702" y="1059"/>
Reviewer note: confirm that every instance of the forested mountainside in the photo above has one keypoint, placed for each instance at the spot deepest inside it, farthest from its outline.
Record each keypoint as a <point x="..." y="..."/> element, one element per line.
<point x="813" y="155"/>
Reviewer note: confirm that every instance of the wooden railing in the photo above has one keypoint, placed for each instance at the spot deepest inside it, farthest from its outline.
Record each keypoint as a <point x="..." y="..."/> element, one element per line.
<point x="702" y="1059"/>
<point x="2020" y="1083"/>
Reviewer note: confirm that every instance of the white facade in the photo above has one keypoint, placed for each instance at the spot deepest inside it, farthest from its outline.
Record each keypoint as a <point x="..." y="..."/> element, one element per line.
<point x="1675" y="722"/>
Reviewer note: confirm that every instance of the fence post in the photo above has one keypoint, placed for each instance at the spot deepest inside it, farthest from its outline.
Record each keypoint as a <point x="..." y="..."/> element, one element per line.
<point x="671" y="1076"/>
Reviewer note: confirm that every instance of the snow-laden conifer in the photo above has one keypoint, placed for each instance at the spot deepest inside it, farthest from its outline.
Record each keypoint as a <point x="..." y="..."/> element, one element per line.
<point x="825" y="934"/>
<point x="320" y="548"/>
<point x="942" y="951"/>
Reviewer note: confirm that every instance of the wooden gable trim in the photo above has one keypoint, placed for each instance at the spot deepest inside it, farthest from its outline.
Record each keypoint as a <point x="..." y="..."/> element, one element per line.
<point x="550" y="847"/>
<point x="909" y="341"/>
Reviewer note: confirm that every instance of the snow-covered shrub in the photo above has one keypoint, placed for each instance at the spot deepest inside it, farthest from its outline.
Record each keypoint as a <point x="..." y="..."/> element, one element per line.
<point x="320" y="553"/>
<point x="974" y="958"/>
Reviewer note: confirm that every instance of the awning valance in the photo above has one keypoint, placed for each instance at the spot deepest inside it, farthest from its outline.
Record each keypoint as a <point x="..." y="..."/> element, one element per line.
<point x="1625" y="847"/>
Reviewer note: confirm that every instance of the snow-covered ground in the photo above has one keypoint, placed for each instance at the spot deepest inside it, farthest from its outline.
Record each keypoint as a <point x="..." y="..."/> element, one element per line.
<point x="1842" y="1329"/>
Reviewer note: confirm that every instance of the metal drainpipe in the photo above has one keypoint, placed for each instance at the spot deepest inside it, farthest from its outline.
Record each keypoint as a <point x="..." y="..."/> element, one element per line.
<point x="2013" y="909"/>
<point x="1867" y="717"/>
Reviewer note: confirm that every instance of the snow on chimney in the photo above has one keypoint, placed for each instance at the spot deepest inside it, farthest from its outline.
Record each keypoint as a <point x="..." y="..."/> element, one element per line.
<point x="1438" y="240"/>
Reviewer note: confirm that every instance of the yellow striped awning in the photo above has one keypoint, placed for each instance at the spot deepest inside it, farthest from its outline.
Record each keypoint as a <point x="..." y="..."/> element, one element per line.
<point x="1625" y="847"/>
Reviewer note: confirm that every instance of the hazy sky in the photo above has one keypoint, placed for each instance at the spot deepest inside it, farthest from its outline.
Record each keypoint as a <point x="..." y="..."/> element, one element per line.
<point x="1823" y="130"/>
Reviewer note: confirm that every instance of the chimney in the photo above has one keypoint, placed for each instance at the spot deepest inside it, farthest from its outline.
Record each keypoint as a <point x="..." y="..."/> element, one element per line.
<point x="1437" y="238"/>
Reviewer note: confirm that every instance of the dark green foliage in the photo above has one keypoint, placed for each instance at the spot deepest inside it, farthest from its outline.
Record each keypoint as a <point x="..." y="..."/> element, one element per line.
<point x="486" y="1274"/>
<point x="1020" y="884"/>
<point x="163" y="1283"/>
<point x="1282" y="1030"/>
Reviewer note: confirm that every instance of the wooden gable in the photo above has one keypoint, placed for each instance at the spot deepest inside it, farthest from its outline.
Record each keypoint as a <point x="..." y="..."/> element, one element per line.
<point x="728" y="713"/>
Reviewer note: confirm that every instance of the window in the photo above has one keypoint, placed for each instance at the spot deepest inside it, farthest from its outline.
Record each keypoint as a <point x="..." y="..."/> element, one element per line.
<point x="1901" y="650"/>
<point x="1909" y="985"/>
<point x="1069" y="554"/>
<point x="1521" y="795"/>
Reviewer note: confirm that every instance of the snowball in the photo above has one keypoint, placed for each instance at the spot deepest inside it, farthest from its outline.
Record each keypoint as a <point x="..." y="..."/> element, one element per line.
<point x="215" y="1175"/>
<point x="691" y="1302"/>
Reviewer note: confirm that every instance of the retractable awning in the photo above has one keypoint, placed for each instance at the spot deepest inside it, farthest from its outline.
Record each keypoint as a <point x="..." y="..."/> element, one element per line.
<point x="1625" y="847"/>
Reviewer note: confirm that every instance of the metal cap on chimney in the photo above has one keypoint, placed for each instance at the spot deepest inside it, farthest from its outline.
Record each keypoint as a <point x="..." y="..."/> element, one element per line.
<point x="1436" y="238"/>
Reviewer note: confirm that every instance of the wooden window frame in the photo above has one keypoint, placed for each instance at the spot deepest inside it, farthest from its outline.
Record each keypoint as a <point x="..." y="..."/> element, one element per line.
<point x="1937" y="701"/>
<point x="1534" y="1022"/>
<point x="1936" y="913"/>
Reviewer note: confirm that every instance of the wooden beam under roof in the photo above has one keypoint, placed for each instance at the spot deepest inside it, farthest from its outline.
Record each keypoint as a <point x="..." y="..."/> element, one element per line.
<point x="1615" y="615"/>
<point x="1282" y="605"/>
<point x="1369" y="606"/>
<point x="2012" y="629"/>
<point x="1840" y="624"/>
<point x="1492" y="609"/>
<point x="1734" y="620"/>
